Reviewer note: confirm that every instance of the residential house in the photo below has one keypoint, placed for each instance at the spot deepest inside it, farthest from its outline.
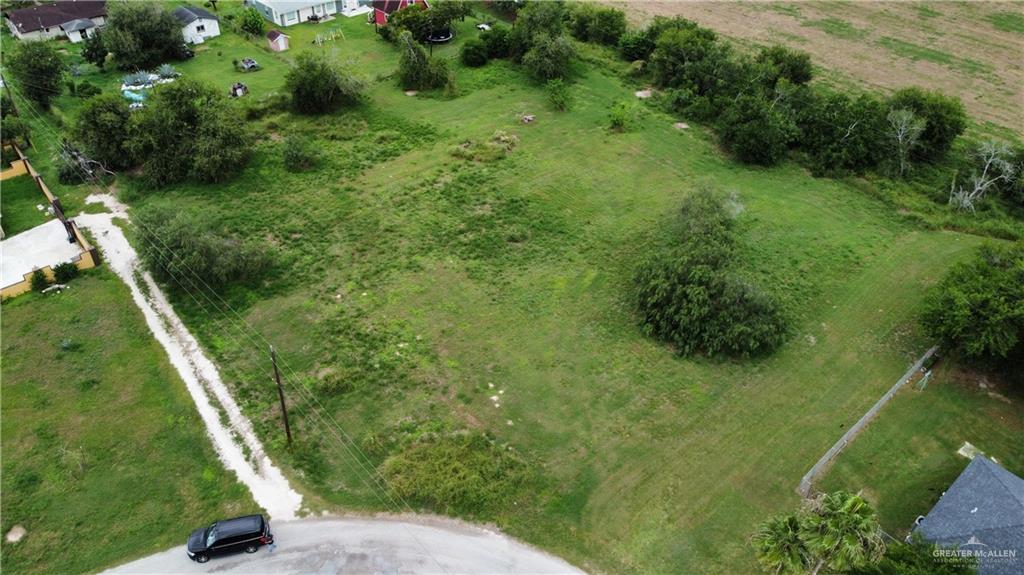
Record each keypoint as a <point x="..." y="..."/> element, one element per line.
<point x="289" y="12"/>
<point x="278" y="40"/>
<point x="981" y="515"/>
<point x="75" y="20"/>
<point x="197" y="25"/>
<point x="382" y="9"/>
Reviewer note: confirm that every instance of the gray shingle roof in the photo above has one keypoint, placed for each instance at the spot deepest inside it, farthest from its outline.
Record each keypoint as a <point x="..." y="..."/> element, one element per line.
<point x="983" y="510"/>
<point x="79" y="24"/>
<point x="188" y="14"/>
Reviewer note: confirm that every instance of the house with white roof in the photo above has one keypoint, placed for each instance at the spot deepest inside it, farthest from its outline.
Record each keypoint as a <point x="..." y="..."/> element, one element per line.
<point x="290" y="12"/>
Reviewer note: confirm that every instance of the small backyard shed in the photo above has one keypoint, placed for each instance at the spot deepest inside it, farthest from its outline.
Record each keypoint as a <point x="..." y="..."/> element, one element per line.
<point x="278" y="40"/>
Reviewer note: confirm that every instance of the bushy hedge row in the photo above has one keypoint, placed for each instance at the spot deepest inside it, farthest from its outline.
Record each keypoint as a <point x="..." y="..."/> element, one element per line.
<point x="690" y="294"/>
<point x="762" y="106"/>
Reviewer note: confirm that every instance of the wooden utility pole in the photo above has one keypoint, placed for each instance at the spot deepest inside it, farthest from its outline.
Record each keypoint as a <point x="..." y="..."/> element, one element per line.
<point x="280" y="394"/>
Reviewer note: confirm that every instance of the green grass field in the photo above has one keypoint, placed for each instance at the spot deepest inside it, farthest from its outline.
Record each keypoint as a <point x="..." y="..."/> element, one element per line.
<point x="105" y="458"/>
<point x="428" y="283"/>
<point x="908" y="457"/>
<point x="18" y="200"/>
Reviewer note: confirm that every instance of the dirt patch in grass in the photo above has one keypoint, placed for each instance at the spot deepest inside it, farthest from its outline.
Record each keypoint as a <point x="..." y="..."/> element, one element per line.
<point x="971" y="50"/>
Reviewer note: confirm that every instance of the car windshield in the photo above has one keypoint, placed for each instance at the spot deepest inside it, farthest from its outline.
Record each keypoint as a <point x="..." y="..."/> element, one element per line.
<point x="211" y="534"/>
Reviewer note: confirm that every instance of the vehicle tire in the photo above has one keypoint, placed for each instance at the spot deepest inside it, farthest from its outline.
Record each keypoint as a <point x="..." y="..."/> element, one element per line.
<point x="202" y="558"/>
<point x="250" y="548"/>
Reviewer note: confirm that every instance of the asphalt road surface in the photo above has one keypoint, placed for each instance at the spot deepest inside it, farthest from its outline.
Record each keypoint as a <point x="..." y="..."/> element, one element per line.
<point x="356" y="546"/>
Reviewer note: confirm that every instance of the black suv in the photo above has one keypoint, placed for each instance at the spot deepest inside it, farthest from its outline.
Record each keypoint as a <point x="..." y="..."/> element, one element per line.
<point x="229" y="536"/>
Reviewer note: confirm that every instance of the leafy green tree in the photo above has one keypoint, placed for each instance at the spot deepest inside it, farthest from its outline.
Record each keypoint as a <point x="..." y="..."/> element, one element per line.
<point x="589" y="22"/>
<point x="318" y="86"/>
<point x="944" y="117"/>
<point x="841" y="134"/>
<point x="94" y="51"/>
<point x="38" y="71"/>
<point x="688" y="294"/>
<point x="497" y="41"/>
<point x="416" y="71"/>
<point x="550" y="57"/>
<point x="414" y="18"/>
<point x="636" y="45"/>
<point x="251" y="22"/>
<point x="474" y="53"/>
<point x="691" y="58"/>
<point x="141" y="35"/>
<point x="754" y="132"/>
<point x="103" y="127"/>
<point x="787" y="63"/>
<point x="978" y="307"/>
<point x="188" y="129"/>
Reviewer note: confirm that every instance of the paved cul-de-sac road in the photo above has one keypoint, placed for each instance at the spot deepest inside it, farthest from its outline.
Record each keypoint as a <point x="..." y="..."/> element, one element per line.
<point x="372" y="545"/>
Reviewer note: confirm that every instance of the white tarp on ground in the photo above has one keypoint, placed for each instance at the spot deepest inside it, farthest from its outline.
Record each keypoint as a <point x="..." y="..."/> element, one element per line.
<point x="44" y="245"/>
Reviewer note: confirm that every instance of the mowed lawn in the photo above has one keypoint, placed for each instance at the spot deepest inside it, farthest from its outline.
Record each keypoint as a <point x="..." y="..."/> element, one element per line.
<point x="19" y="201"/>
<point x="105" y="458"/>
<point x="908" y="458"/>
<point x="430" y="284"/>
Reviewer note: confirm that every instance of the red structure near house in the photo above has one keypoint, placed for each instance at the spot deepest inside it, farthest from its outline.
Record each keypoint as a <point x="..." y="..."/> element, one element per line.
<point x="384" y="8"/>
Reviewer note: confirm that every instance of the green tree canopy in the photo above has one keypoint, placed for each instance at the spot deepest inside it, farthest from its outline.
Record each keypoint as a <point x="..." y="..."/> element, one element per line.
<point x="188" y="129"/>
<point x="944" y="116"/>
<point x="94" y="51"/>
<point x="38" y="71"/>
<point x="251" y="22"/>
<point x="978" y="307"/>
<point x="141" y="35"/>
<point x="318" y="85"/>
<point x="550" y="57"/>
<point x="103" y="127"/>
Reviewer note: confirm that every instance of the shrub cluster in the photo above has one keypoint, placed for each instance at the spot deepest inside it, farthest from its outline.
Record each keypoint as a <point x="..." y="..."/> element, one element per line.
<point x="186" y="249"/>
<point x="187" y="129"/>
<point x="589" y="22"/>
<point x="763" y="107"/>
<point x="318" y="86"/>
<point x="690" y="294"/>
<point x="978" y="308"/>
<point x="456" y="473"/>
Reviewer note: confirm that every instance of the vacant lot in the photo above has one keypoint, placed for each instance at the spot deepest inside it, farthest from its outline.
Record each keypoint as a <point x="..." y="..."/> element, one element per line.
<point x="105" y="458"/>
<point x="415" y="290"/>
<point x="974" y="50"/>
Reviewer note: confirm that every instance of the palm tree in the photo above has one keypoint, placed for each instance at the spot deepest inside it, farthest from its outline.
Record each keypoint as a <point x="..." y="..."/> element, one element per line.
<point x="841" y="532"/>
<point x="780" y="546"/>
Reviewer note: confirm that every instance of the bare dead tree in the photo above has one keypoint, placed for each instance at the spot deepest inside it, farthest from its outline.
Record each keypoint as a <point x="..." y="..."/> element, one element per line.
<point x="905" y="130"/>
<point x="995" y="167"/>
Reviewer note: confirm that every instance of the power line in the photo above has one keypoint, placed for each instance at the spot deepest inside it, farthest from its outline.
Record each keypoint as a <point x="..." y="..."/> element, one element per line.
<point x="329" y="423"/>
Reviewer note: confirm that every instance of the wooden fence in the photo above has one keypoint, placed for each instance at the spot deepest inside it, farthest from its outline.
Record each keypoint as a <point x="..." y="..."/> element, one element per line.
<point x="88" y="256"/>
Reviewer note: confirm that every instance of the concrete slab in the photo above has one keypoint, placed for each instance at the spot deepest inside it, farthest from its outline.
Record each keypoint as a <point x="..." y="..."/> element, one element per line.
<point x="44" y="245"/>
